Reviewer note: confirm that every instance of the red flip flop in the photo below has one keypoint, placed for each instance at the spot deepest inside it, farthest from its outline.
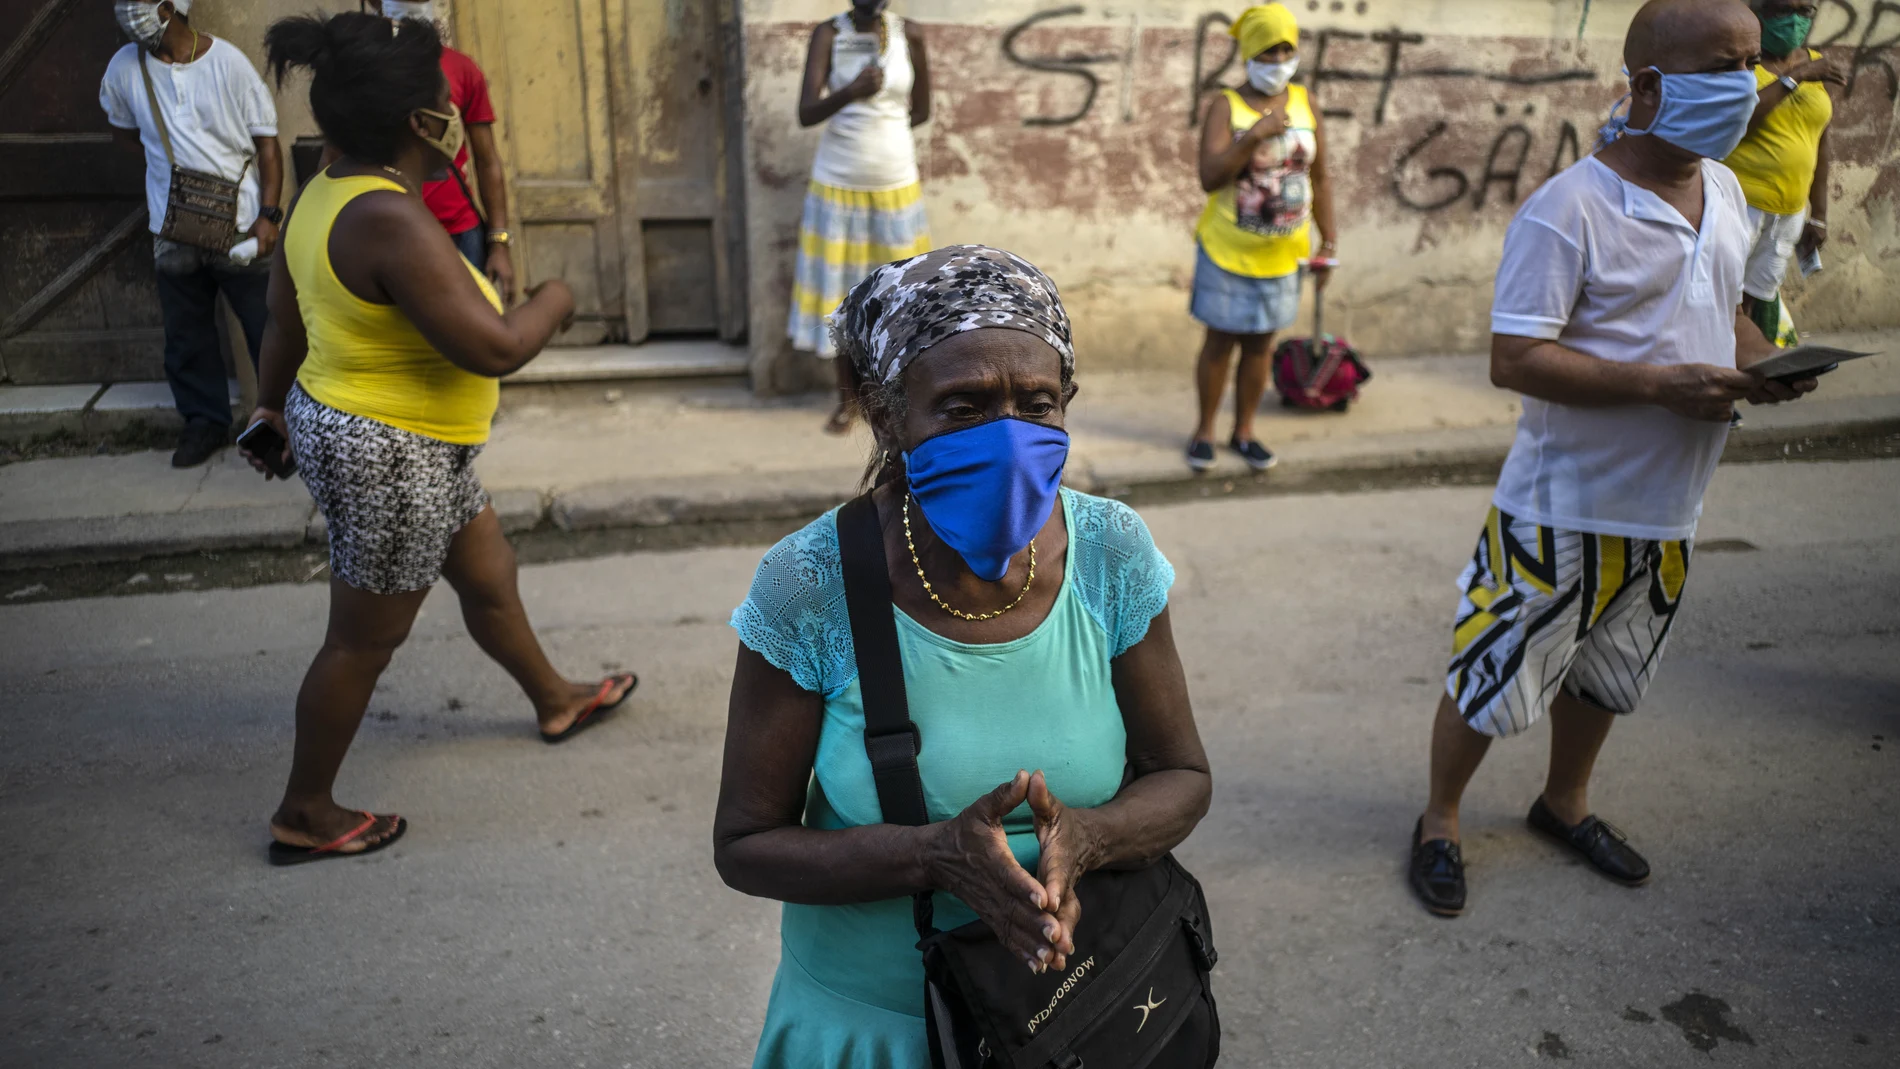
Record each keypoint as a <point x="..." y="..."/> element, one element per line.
<point x="600" y="704"/>
<point x="286" y="854"/>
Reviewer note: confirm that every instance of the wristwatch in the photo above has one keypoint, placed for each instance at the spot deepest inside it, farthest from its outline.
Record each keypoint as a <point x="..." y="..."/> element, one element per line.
<point x="1789" y="83"/>
<point x="499" y="237"/>
<point x="273" y="213"/>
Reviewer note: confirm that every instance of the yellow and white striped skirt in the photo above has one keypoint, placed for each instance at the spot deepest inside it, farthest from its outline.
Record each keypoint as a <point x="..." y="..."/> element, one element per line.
<point x="844" y="235"/>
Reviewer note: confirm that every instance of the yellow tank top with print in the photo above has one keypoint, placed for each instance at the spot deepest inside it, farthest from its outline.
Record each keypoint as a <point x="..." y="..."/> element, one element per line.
<point x="368" y="359"/>
<point x="1257" y="225"/>
<point x="1776" y="163"/>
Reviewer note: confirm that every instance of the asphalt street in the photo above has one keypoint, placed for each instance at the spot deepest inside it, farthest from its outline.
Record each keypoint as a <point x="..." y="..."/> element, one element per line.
<point x="557" y="906"/>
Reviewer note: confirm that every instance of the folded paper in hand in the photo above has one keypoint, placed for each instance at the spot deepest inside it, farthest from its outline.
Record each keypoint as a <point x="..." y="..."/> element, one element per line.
<point x="1804" y="360"/>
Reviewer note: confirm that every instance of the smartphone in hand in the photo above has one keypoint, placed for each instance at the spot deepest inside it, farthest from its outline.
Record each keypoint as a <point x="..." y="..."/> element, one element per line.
<point x="262" y="441"/>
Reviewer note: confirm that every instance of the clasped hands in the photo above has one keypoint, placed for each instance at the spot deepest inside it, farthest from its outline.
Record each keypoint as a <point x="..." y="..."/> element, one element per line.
<point x="1034" y="916"/>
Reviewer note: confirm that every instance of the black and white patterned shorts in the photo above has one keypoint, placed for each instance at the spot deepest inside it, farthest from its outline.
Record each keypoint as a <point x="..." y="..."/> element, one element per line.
<point x="392" y="499"/>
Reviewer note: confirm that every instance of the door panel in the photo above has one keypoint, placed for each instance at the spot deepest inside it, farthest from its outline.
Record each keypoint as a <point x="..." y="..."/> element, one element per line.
<point x="547" y="68"/>
<point x="77" y="298"/>
<point x="613" y="126"/>
<point x="682" y="284"/>
<point x="676" y="117"/>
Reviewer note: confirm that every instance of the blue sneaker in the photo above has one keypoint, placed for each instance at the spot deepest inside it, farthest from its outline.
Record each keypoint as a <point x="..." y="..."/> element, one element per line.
<point x="1257" y="456"/>
<point x="1200" y="454"/>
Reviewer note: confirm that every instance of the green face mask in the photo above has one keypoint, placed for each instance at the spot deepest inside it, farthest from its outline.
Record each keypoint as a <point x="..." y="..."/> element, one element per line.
<point x="1784" y="33"/>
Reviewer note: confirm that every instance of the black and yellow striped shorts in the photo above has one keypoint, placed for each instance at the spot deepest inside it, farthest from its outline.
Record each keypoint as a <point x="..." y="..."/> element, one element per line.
<point x="1545" y="608"/>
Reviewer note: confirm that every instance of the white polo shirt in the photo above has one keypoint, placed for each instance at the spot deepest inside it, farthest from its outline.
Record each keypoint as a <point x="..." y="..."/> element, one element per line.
<point x="213" y="107"/>
<point x="1609" y="269"/>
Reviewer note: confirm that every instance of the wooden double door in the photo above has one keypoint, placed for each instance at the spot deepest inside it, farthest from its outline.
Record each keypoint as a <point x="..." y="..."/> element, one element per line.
<point x="618" y="123"/>
<point x="77" y="298"/>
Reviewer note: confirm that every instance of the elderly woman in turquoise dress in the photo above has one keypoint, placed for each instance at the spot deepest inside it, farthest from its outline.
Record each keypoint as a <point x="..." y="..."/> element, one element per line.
<point x="1041" y="671"/>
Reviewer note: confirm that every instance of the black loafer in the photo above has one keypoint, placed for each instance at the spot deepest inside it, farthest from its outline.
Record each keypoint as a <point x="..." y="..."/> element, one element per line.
<point x="1601" y="843"/>
<point x="1437" y="873"/>
<point x="197" y="443"/>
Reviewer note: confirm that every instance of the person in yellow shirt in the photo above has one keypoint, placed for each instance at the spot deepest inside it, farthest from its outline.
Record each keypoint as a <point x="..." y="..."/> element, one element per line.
<point x="1263" y="166"/>
<point x="1783" y="162"/>
<point x="380" y="368"/>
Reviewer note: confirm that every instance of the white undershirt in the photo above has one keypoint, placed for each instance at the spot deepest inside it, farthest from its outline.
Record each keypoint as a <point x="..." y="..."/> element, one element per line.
<point x="867" y="144"/>
<point x="213" y="107"/>
<point x="1611" y="270"/>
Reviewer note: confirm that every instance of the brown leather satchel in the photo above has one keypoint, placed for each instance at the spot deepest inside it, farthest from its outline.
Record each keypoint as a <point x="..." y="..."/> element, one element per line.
<point x="202" y="208"/>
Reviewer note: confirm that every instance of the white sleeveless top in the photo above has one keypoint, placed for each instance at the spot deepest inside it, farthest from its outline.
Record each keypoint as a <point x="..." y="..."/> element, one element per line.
<point x="867" y="144"/>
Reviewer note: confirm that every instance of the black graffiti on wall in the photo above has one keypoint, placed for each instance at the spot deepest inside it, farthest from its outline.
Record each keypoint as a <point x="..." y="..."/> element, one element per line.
<point x="1504" y="166"/>
<point x="1867" y="49"/>
<point x="1872" y="30"/>
<point x="1205" y="77"/>
<point x="1208" y="79"/>
<point x="1388" y="77"/>
<point x="1075" y="65"/>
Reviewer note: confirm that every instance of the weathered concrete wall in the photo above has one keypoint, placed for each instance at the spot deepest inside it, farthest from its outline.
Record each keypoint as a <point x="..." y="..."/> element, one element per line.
<point x="243" y="22"/>
<point x="1067" y="134"/>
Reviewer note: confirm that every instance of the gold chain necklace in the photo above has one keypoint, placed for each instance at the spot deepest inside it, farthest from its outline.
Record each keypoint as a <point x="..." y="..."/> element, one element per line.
<point x="941" y="604"/>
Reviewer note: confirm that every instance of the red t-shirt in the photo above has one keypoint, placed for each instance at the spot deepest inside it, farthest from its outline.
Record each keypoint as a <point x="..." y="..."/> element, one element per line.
<point x="469" y="92"/>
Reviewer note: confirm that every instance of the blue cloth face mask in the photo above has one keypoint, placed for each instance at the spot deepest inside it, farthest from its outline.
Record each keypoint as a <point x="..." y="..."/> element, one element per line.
<point x="1706" y="114"/>
<point x="988" y="489"/>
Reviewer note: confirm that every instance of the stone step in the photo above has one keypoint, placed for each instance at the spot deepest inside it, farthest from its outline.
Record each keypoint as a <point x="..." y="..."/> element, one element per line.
<point x="653" y="360"/>
<point x="28" y="412"/>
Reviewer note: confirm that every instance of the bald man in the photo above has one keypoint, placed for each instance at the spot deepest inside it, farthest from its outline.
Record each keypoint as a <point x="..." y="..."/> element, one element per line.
<point x="1616" y="317"/>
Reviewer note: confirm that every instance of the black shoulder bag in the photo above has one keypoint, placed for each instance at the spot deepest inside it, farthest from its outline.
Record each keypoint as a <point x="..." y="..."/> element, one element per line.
<point x="1136" y="992"/>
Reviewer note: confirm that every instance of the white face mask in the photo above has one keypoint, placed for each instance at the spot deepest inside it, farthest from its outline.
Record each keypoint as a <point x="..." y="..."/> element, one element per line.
<point x="408" y="9"/>
<point x="1271" y="78"/>
<point x="141" y="23"/>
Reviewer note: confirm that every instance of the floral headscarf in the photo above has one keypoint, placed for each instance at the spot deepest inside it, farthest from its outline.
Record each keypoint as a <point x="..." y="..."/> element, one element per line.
<point x="904" y="308"/>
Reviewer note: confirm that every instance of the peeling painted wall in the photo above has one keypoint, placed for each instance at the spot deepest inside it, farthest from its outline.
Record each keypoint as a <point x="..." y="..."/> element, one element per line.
<point x="1066" y="132"/>
<point x="243" y="23"/>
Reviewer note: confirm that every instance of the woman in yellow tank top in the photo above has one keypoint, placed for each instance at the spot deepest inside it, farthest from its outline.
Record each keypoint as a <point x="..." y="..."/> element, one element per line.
<point x="1263" y="165"/>
<point x="1783" y="162"/>
<point x="379" y="366"/>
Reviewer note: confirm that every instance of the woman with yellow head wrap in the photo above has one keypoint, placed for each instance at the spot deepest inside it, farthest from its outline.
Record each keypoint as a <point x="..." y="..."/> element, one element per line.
<point x="1263" y="165"/>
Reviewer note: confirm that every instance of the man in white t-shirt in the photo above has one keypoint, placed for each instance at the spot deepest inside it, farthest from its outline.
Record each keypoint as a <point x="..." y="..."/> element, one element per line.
<point x="1617" y="319"/>
<point x="222" y="121"/>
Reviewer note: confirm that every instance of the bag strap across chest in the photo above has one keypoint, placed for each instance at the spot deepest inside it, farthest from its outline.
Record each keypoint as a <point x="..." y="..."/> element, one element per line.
<point x="891" y="739"/>
<point x="158" y="113"/>
<point x="158" y="118"/>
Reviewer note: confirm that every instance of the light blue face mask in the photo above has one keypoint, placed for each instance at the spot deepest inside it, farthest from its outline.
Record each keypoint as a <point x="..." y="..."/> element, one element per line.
<point x="1706" y="114"/>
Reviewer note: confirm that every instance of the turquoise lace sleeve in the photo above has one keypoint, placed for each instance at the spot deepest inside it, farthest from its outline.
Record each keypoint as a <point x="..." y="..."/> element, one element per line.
<point x="1120" y="575"/>
<point x="795" y="614"/>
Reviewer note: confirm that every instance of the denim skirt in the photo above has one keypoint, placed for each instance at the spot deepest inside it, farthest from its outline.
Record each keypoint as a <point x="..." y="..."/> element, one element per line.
<point x="1237" y="304"/>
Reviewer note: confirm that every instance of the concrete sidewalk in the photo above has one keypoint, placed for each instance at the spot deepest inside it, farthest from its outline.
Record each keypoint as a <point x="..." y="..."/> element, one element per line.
<point x="580" y="457"/>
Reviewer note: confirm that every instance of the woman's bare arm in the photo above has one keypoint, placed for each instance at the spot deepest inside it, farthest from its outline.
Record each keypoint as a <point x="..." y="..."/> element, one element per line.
<point x="920" y="64"/>
<point x="285" y="343"/>
<point x="1814" y="232"/>
<point x="762" y="847"/>
<point x="814" y="104"/>
<point x="1322" y="184"/>
<point x="1224" y="156"/>
<point x="388" y="248"/>
<point x="760" y="844"/>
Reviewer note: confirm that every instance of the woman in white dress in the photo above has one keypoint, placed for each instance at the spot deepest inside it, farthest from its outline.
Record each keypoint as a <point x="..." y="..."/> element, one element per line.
<point x="867" y="79"/>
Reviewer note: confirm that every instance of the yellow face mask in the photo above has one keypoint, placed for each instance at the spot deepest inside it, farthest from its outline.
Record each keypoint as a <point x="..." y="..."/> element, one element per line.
<point x="450" y="143"/>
